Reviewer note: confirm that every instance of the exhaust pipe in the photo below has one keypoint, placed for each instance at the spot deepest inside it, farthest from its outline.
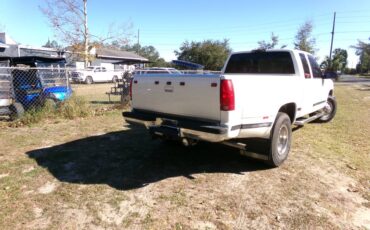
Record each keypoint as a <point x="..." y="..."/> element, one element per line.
<point x="188" y="142"/>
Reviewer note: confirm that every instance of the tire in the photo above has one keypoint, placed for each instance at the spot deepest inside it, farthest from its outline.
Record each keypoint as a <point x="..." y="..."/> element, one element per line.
<point x="330" y="109"/>
<point x="115" y="79"/>
<point x="16" y="111"/>
<point x="89" y="80"/>
<point x="280" y="140"/>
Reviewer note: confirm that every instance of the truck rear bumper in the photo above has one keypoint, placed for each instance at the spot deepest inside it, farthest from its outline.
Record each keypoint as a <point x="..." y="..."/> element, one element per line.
<point x="177" y="127"/>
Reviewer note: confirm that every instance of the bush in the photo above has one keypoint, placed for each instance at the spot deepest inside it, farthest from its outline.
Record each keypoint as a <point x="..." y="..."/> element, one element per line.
<point x="74" y="107"/>
<point x="69" y="109"/>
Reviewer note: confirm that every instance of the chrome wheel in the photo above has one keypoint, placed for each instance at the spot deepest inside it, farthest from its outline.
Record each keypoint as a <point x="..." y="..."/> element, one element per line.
<point x="280" y="140"/>
<point x="328" y="109"/>
<point x="283" y="140"/>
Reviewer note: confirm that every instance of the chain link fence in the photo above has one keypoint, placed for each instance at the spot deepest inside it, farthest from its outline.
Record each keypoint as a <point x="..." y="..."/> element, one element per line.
<point x="26" y="88"/>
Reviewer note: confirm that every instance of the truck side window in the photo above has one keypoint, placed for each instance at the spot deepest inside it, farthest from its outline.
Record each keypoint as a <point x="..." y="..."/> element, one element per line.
<point x="305" y="66"/>
<point x="316" y="71"/>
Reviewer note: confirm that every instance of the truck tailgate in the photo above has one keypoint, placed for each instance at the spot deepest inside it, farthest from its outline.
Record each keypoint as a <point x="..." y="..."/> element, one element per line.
<point x="187" y="95"/>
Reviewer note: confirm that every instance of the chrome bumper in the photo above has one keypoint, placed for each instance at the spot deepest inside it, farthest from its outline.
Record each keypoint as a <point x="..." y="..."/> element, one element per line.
<point x="183" y="132"/>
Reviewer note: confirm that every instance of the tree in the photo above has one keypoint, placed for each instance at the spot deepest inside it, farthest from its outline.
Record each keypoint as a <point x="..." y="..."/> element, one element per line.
<point x="339" y="61"/>
<point x="363" y="51"/>
<point x="69" y="18"/>
<point x="266" y="45"/>
<point x="211" y="54"/>
<point x="304" y="40"/>
<point x="52" y="44"/>
<point x="149" y="52"/>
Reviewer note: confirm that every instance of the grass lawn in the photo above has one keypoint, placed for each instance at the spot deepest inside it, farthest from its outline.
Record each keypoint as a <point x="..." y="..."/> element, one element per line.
<point x="98" y="172"/>
<point x="95" y="94"/>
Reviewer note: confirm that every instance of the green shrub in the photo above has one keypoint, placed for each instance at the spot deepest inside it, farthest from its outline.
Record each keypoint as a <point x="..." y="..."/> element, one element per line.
<point x="69" y="109"/>
<point x="74" y="107"/>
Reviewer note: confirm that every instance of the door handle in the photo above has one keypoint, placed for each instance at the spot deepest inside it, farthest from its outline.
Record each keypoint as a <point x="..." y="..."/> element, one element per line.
<point x="182" y="83"/>
<point x="169" y="83"/>
<point x="156" y="82"/>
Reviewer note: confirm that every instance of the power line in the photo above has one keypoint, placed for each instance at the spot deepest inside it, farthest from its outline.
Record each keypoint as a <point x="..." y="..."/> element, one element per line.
<point x="272" y="23"/>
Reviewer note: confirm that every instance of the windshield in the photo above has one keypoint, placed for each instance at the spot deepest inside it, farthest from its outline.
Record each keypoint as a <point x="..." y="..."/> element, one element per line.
<point x="261" y="63"/>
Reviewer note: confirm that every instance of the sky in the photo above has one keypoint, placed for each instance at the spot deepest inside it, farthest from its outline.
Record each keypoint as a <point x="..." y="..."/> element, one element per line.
<point x="166" y="24"/>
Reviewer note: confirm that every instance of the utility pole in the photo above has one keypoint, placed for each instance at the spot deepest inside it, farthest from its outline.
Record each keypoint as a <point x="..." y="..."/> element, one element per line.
<point x="138" y="41"/>
<point x="332" y="38"/>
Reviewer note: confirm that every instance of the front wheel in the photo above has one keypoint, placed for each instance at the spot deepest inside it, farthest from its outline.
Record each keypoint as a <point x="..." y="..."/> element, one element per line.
<point x="89" y="80"/>
<point x="330" y="110"/>
<point x="280" y="141"/>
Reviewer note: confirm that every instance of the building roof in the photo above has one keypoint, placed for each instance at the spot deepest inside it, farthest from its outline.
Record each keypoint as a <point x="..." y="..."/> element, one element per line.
<point x="34" y="59"/>
<point x="4" y="38"/>
<point x="119" y="55"/>
<point x="3" y="45"/>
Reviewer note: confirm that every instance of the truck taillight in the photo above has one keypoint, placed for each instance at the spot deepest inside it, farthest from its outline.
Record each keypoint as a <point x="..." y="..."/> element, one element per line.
<point x="131" y="82"/>
<point x="227" y="97"/>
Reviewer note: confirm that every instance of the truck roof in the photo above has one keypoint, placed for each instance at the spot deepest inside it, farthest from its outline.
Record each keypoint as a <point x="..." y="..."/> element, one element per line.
<point x="271" y="50"/>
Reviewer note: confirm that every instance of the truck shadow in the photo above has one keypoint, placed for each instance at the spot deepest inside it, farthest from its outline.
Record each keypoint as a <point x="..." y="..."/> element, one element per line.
<point x="129" y="159"/>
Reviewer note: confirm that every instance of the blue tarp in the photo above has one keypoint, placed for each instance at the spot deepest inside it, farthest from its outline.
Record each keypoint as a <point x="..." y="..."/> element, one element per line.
<point x="187" y="64"/>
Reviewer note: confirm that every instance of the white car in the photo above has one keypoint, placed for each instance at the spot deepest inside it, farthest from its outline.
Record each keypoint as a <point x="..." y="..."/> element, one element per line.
<point x="258" y="95"/>
<point x="96" y="74"/>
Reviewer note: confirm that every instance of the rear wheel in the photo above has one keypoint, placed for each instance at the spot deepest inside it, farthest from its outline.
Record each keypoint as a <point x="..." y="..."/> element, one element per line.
<point x="89" y="80"/>
<point x="115" y="79"/>
<point x="330" y="110"/>
<point x="16" y="111"/>
<point x="280" y="140"/>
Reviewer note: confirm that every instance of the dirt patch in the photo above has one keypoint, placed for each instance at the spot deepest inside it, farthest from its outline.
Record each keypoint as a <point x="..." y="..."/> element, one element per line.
<point x="47" y="188"/>
<point x="362" y="217"/>
<point x="3" y="175"/>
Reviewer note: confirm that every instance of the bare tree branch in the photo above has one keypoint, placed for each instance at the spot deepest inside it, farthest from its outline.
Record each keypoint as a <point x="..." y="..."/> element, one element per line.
<point x="69" y="19"/>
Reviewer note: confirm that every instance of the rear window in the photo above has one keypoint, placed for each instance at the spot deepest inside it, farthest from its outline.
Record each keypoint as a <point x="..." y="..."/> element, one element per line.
<point x="261" y="63"/>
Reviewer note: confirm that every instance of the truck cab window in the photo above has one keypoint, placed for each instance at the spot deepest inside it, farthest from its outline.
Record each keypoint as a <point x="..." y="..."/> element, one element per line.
<point x="306" y="69"/>
<point x="316" y="71"/>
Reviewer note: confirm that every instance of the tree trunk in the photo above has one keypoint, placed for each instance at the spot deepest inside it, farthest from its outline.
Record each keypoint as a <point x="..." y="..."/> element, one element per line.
<point x="86" y="36"/>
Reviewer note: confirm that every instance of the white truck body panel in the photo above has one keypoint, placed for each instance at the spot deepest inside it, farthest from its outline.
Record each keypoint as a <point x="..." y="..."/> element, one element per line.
<point x="196" y="98"/>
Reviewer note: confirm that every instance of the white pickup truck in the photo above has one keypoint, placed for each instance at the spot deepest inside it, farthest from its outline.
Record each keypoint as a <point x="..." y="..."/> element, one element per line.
<point x="258" y="95"/>
<point x="96" y="74"/>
